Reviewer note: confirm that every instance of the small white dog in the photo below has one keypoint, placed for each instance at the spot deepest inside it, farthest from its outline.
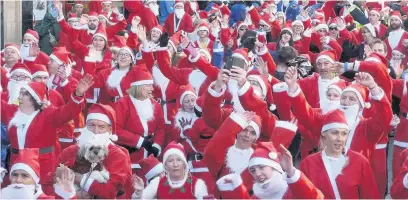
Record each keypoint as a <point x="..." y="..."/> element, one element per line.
<point x="95" y="153"/>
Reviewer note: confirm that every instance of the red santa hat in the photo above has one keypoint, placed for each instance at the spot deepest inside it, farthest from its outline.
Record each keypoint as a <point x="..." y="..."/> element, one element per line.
<point x="265" y="5"/>
<point x="348" y="19"/>
<point x="174" y="148"/>
<point x="376" y="11"/>
<point x="104" y="15"/>
<point x="100" y="32"/>
<point x="21" y="67"/>
<point x="361" y="93"/>
<point x="15" y="47"/>
<point x="240" y="24"/>
<point x="397" y="15"/>
<point x="32" y="34"/>
<point x="265" y="86"/>
<point x="60" y="57"/>
<point x="321" y="25"/>
<point x="39" y="70"/>
<point x="256" y="124"/>
<point x="265" y="154"/>
<point x="203" y="27"/>
<point x="185" y="90"/>
<point x="202" y="14"/>
<point x="178" y="2"/>
<point x="93" y="14"/>
<point x="158" y="28"/>
<point x="141" y="77"/>
<point x="338" y="86"/>
<point x="332" y="22"/>
<point x="261" y="37"/>
<point x="106" y="2"/>
<point x="372" y="30"/>
<point x="128" y="50"/>
<point x="265" y="19"/>
<point x="329" y="55"/>
<point x="104" y="113"/>
<point x="28" y="160"/>
<point x="288" y="27"/>
<point x="38" y="90"/>
<point x="376" y="57"/>
<point x="334" y="119"/>
<point x="117" y="42"/>
<point x="151" y="167"/>
<point x="241" y="53"/>
<point x="72" y="16"/>
<point x="175" y="40"/>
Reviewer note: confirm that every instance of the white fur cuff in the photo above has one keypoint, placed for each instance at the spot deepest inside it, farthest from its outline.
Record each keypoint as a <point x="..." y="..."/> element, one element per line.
<point x="215" y="93"/>
<point x="193" y="60"/>
<point x="356" y="66"/>
<point x="244" y="89"/>
<point x="405" y="180"/>
<point x="286" y="125"/>
<point x="294" y="178"/>
<point x="296" y="93"/>
<point x="158" y="147"/>
<point x="63" y="84"/>
<point x="379" y="96"/>
<point x="236" y="181"/>
<point x="262" y="52"/>
<point x="88" y="183"/>
<point x="280" y="87"/>
<point x="237" y="118"/>
<point x="64" y="194"/>
<point x="75" y="100"/>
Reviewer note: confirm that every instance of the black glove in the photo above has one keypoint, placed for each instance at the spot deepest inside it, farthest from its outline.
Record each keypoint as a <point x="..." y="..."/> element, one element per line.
<point x="164" y="40"/>
<point x="147" y="144"/>
<point x="154" y="150"/>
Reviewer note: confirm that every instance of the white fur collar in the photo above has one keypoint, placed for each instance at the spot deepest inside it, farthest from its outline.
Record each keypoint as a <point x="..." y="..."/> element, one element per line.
<point x="21" y="119"/>
<point x="196" y="79"/>
<point x="237" y="160"/>
<point x="275" y="188"/>
<point x="116" y="77"/>
<point x="144" y="109"/>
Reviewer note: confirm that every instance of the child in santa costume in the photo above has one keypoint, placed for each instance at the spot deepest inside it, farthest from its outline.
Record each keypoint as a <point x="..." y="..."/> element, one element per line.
<point x="346" y="173"/>
<point x="178" y="182"/>
<point x="100" y="128"/>
<point x="399" y="187"/>
<point x="25" y="179"/>
<point x="140" y="119"/>
<point x="364" y="132"/>
<point x="275" y="177"/>
<point x="32" y="119"/>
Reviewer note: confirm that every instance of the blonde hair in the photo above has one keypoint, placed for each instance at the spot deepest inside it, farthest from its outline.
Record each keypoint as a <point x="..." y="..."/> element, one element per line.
<point x="134" y="91"/>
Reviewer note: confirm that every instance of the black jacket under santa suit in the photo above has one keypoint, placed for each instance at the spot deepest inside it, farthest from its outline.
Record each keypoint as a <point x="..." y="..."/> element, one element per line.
<point x="41" y="133"/>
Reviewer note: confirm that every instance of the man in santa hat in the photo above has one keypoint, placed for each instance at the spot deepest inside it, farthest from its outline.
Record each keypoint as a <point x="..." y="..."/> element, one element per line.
<point x="274" y="175"/>
<point x="204" y="41"/>
<point x="179" y="20"/>
<point x="374" y="18"/>
<point x="11" y="55"/>
<point x="30" y="49"/>
<point x="25" y="179"/>
<point x="100" y="128"/>
<point x="397" y="35"/>
<point x="20" y="75"/>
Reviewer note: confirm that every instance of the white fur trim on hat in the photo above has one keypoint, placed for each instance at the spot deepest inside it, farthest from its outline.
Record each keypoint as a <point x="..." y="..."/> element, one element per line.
<point x="360" y="98"/>
<point x="33" y="93"/>
<point x="397" y="17"/>
<point x="236" y="181"/>
<point x="26" y="168"/>
<point x="56" y="59"/>
<point x="261" y="83"/>
<point x="325" y="57"/>
<point x="203" y="28"/>
<point x="265" y="161"/>
<point x="334" y="125"/>
<point x="31" y="36"/>
<point x="100" y="35"/>
<point x="142" y="82"/>
<point x="238" y="55"/>
<point x="154" y="171"/>
<point x="297" y="22"/>
<point x="286" y="125"/>
<point x="175" y="151"/>
<point x="21" y="71"/>
<point x="14" y="48"/>
<point x="99" y="116"/>
<point x="155" y="28"/>
<point x="40" y="73"/>
<point x="375" y="12"/>
<point x="321" y="26"/>
<point x="129" y="51"/>
<point x="185" y="94"/>
<point x="335" y="87"/>
<point x="256" y="128"/>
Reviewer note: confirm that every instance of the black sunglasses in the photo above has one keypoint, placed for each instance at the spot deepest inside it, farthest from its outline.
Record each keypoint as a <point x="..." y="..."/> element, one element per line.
<point x="332" y="28"/>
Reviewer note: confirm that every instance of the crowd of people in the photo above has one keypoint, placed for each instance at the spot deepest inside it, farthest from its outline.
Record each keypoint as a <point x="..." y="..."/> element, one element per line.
<point x="191" y="99"/>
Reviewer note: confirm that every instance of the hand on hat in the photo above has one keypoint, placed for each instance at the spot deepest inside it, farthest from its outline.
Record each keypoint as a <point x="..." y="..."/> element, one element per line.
<point x="83" y="85"/>
<point x="238" y="74"/>
<point x="285" y="161"/>
<point x="291" y="79"/>
<point x="65" y="178"/>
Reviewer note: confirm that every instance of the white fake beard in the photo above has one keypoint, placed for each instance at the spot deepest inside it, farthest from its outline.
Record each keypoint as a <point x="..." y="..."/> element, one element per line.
<point x="88" y="137"/>
<point x="179" y="13"/>
<point x="351" y="113"/>
<point x="116" y="77"/>
<point x="144" y="109"/>
<point x="18" y="191"/>
<point x="237" y="160"/>
<point x="24" y="51"/>
<point x="233" y="89"/>
<point x="196" y="79"/>
<point x="14" y="88"/>
<point x="186" y="115"/>
<point x="193" y="6"/>
<point x="274" y="188"/>
<point x="155" y="9"/>
<point x="329" y="106"/>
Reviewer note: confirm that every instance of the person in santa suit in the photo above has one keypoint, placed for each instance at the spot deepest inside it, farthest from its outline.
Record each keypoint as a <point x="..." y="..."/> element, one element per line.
<point x="364" y="132"/>
<point x="346" y="173"/>
<point x="152" y="168"/>
<point x="73" y="21"/>
<point x="399" y="187"/>
<point x="20" y="75"/>
<point x="32" y="119"/>
<point x="397" y="35"/>
<point x="232" y="40"/>
<point x="374" y="18"/>
<point x="25" y="179"/>
<point x="147" y="41"/>
<point x="100" y="130"/>
<point x="178" y="182"/>
<point x="204" y="42"/>
<point x="191" y="7"/>
<point x="30" y="49"/>
<point x="274" y="175"/>
<point x="179" y="20"/>
<point x="140" y="119"/>
<point x="146" y="10"/>
<point x="11" y="56"/>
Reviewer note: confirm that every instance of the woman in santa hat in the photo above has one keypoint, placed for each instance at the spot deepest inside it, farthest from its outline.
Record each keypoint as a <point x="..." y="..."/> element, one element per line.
<point x="32" y="119"/>
<point x="25" y="179"/>
<point x="364" y="132"/>
<point x="274" y="175"/>
<point x="140" y="119"/>
<point x="178" y="182"/>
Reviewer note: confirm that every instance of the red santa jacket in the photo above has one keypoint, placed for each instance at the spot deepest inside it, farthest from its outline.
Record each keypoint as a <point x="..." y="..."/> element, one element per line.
<point x="362" y="138"/>
<point x="185" y="24"/>
<point x="394" y="39"/>
<point x="116" y="163"/>
<point x="136" y="8"/>
<point x="42" y="124"/>
<point x="399" y="187"/>
<point x="356" y="180"/>
<point x="41" y="58"/>
<point x="312" y="94"/>
<point x="131" y="128"/>
<point x="400" y="88"/>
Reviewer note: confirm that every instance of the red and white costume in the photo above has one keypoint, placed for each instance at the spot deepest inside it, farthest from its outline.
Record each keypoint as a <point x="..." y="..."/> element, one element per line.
<point x="399" y="187"/>
<point x="151" y="168"/>
<point x="172" y="25"/>
<point x="395" y="37"/>
<point x="41" y="58"/>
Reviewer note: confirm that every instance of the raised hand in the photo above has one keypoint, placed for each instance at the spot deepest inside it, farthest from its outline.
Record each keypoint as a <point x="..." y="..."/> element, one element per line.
<point x="367" y="50"/>
<point x="137" y="182"/>
<point x="340" y="23"/>
<point x="291" y="79"/>
<point x="304" y="14"/>
<point x="135" y="21"/>
<point x="365" y="79"/>
<point x="286" y="161"/>
<point x="185" y="41"/>
<point x="84" y="19"/>
<point x="83" y="85"/>
<point x="238" y="74"/>
<point x="62" y="75"/>
<point x="261" y="66"/>
<point x="222" y="79"/>
<point x="248" y="116"/>
<point x="141" y="33"/>
<point x="65" y="178"/>
<point x="184" y="122"/>
<point x="398" y="68"/>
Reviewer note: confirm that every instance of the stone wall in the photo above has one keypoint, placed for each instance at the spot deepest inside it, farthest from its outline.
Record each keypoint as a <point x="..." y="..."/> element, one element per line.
<point x="12" y="22"/>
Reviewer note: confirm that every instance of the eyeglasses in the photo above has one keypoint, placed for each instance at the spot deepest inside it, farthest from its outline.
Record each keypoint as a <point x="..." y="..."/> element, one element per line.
<point x="19" y="78"/>
<point x="125" y="55"/>
<point x="243" y="29"/>
<point x="24" y="93"/>
<point x="332" y="28"/>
